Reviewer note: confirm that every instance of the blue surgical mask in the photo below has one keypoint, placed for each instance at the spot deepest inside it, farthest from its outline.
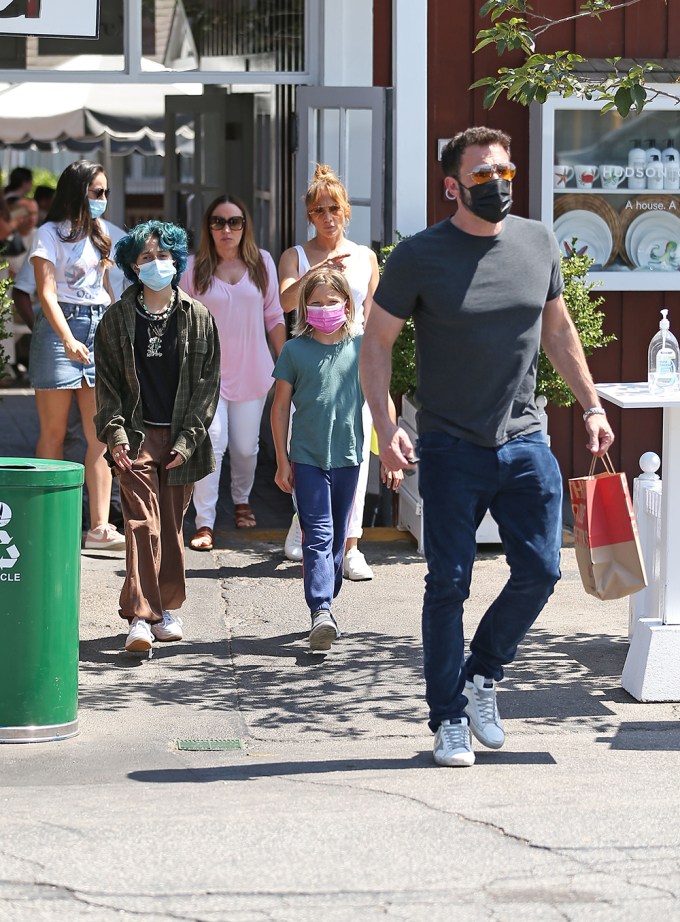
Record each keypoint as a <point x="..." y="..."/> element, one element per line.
<point x="158" y="274"/>
<point x="97" y="207"/>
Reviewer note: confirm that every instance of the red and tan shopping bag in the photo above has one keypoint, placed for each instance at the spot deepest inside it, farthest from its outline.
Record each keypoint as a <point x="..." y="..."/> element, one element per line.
<point x="605" y="534"/>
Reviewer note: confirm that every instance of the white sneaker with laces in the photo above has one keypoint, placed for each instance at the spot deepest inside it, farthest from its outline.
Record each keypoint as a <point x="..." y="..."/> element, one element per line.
<point x="293" y="545"/>
<point x="453" y="744"/>
<point x="482" y="709"/>
<point x="354" y="566"/>
<point x="167" y="629"/>
<point x="104" y="537"/>
<point x="139" y="638"/>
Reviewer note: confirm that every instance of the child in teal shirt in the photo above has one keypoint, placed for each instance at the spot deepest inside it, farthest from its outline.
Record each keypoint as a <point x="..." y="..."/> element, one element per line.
<point x="318" y="371"/>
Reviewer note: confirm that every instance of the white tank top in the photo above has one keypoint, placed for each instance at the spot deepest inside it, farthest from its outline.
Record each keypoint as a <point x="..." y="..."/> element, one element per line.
<point x="358" y="274"/>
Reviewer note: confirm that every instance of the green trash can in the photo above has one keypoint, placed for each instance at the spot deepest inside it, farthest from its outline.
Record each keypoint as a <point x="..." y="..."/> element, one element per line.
<point x="40" y="534"/>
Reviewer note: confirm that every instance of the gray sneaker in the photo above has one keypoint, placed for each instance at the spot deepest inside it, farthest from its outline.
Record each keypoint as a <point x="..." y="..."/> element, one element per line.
<point x="482" y="709"/>
<point x="453" y="744"/>
<point x="324" y="630"/>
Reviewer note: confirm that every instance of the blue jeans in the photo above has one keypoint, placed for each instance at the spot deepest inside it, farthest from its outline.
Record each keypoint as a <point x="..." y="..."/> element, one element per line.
<point x="324" y="501"/>
<point x="521" y="484"/>
<point x="49" y="367"/>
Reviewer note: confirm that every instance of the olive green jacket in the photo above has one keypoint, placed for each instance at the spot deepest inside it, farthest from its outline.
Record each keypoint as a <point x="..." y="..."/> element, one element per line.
<point x="119" y="404"/>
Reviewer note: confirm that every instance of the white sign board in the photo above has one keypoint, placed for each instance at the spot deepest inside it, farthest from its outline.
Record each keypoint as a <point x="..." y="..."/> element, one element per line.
<point x="50" y="17"/>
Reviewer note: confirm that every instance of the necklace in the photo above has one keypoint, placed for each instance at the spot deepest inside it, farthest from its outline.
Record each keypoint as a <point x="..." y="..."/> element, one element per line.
<point x="156" y="315"/>
<point x="157" y="326"/>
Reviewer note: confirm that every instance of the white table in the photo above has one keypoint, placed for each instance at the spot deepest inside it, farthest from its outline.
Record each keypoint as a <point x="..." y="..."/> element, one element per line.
<point x="652" y="669"/>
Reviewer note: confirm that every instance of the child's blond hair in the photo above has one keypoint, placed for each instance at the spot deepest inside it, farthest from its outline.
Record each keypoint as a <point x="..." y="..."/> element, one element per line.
<point x="335" y="280"/>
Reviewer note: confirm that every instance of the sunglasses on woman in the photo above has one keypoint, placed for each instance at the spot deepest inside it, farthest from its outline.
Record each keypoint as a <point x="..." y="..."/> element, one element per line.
<point x="100" y="193"/>
<point x="215" y="222"/>
<point x="320" y="210"/>
<point x="488" y="171"/>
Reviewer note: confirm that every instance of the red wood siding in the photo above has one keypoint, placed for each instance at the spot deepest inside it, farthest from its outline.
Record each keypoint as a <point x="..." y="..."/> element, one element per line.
<point x="382" y="42"/>
<point x="650" y="29"/>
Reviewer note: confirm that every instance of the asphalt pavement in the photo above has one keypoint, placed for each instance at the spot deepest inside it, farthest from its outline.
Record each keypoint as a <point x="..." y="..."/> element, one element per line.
<point x="326" y="803"/>
<point x="332" y="808"/>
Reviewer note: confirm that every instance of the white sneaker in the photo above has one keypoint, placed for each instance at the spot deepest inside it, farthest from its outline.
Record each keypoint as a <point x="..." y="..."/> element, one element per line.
<point x="482" y="709"/>
<point x="293" y="545"/>
<point x="354" y="566"/>
<point x="167" y="629"/>
<point x="324" y="630"/>
<point x="453" y="744"/>
<point x="104" y="537"/>
<point x="139" y="638"/>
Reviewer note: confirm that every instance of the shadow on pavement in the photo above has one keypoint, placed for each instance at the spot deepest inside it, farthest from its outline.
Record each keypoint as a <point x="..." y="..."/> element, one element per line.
<point x="323" y="767"/>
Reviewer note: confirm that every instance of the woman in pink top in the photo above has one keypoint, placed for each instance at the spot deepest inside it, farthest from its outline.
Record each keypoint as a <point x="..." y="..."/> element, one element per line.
<point x="237" y="282"/>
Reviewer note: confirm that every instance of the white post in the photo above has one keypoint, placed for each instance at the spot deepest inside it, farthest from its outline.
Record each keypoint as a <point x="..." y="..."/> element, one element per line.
<point x="410" y="115"/>
<point x="670" y="522"/>
<point x="647" y="507"/>
<point x="542" y="403"/>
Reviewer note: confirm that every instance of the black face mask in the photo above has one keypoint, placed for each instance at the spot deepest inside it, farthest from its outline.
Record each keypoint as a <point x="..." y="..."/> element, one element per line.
<point x="491" y="201"/>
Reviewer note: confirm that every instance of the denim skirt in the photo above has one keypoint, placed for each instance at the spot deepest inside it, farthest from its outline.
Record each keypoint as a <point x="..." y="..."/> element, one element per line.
<point x="48" y="367"/>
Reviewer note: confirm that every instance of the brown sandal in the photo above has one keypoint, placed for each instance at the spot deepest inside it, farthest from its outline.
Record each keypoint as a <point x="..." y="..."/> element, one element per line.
<point x="243" y="516"/>
<point x="203" y="539"/>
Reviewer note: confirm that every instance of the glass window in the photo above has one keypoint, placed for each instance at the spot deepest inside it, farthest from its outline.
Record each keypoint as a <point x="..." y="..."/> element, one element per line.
<point x="231" y="35"/>
<point x="616" y="189"/>
<point x="214" y="36"/>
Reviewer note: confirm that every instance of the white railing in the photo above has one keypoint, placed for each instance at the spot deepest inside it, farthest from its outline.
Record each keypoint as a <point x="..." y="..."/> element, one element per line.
<point x="647" y="489"/>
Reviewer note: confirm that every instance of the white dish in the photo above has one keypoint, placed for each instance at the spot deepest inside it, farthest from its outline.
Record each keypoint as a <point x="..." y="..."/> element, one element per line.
<point x="590" y="230"/>
<point x="663" y="222"/>
<point x="659" y="251"/>
<point x="589" y="223"/>
<point x="584" y="246"/>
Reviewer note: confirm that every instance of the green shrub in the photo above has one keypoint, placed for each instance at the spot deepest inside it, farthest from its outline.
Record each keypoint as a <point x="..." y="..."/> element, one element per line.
<point x="404" y="349"/>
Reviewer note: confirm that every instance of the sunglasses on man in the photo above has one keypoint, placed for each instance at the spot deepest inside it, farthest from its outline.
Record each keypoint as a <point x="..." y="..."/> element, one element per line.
<point x="485" y="172"/>
<point x="215" y="222"/>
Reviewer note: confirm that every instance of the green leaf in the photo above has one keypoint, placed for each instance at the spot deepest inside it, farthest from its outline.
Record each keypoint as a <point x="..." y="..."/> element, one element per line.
<point x="623" y="100"/>
<point x="639" y="96"/>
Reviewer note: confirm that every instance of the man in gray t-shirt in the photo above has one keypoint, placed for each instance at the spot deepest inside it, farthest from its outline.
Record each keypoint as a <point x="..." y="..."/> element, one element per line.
<point x="484" y="289"/>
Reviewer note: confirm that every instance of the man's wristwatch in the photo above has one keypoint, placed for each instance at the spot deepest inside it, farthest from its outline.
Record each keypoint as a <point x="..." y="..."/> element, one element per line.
<point x="594" y="411"/>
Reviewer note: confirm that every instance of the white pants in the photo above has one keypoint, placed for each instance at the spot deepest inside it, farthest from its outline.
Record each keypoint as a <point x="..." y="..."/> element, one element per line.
<point x="355" y="529"/>
<point x="236" y="425"/>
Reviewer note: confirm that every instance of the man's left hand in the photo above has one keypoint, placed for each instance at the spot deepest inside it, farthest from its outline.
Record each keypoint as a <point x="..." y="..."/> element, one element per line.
<point x="600" y="434"/>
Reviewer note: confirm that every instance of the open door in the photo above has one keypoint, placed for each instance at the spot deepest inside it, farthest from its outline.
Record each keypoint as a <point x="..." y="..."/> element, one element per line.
<point x="348" y="128"/>
<point x="209" y="150"/>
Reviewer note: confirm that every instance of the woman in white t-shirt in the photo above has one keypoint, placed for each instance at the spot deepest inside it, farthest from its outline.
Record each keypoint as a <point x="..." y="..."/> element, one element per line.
<point x="329" y="211"/>
<point x="70" y="258"/>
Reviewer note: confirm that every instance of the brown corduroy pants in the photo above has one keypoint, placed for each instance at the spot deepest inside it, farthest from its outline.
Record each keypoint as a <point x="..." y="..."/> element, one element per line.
<point x="154" y="545"/>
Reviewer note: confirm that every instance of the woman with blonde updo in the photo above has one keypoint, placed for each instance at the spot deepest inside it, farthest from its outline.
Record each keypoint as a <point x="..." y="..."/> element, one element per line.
<point x="329" y="211"/>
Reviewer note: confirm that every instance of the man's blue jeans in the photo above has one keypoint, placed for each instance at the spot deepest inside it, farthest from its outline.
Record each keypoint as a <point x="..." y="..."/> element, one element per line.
<point x="521" y="484"/>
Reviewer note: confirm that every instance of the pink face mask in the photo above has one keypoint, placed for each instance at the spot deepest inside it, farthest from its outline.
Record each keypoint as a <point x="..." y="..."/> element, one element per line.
<point x="326" y="319"/>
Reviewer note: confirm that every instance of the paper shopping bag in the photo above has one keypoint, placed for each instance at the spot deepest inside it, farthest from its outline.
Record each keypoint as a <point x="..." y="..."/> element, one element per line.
<point x="605" y="534"/>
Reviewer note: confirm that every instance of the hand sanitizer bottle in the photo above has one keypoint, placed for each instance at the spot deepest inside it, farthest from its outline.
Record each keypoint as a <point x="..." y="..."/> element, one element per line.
<point x="662" y="362"/>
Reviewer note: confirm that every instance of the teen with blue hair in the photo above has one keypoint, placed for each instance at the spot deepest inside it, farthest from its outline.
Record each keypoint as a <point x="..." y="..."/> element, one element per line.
<point x="157" y="386"/>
